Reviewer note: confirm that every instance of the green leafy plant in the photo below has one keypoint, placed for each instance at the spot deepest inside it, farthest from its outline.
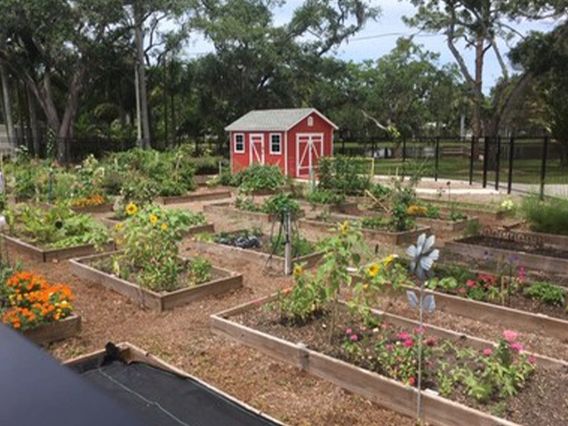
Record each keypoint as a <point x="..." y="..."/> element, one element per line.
<point x="259" y="177"/>
<point x="149" y="250"/>
<point x="546" y="293"/>
<point x="280" y="203"/>
<point x="344" y="175"/>
<point x="550" y="216"/>
<point x="324" y="196"/>
<point x="55" y="227"/>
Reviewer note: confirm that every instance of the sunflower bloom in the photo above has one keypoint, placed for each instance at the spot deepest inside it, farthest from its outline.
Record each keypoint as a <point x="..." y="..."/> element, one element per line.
<point x="164" y="227"/>
<point x="131" y="209"/>
<point x="373" y="270"/>
<point x="153" y="219"/>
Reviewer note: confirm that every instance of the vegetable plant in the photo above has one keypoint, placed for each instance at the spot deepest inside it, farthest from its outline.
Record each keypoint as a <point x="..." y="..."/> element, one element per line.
<point x="546" y="293"/>
<point x="55" y="227"/>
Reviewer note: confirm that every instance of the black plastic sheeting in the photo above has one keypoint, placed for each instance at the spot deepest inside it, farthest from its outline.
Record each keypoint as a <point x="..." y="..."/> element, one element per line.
<point x="163" y="398"/>
<point x="36" y="390"/>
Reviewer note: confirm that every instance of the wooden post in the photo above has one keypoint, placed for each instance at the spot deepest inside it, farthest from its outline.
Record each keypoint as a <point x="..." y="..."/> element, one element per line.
<point x="471" y="159"/>
<point x="543" y="166"/>
<point x="511" y="159"/>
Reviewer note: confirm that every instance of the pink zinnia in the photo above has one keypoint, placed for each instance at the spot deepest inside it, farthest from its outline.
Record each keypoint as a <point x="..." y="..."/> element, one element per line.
<point x="354" y="338"/>
<point x="487" y="352"/>
<point x="411" y="381"/>
<point x="516" y="346"/>
<point x="408" y="343"/>
<point x="470" y="283"/>
<point x="348" y="331"/>
<point x="403" y="335"/>
<point x="510" y="335"/>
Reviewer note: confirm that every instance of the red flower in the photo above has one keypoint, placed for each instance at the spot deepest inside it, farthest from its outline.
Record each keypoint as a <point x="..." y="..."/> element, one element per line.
<point x="411" y="381"/>
<point x="470" y="283"/>
<point x="408" y="343"/>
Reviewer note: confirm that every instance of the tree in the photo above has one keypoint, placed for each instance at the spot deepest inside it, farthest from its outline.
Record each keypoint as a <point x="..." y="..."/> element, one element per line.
<point x="53" y="46"/>
<point x="479" y="25"/>
<point x="546" y="57"/>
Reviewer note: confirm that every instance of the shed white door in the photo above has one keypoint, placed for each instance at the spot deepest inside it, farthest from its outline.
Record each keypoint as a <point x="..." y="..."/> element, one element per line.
<point x="309" y="148"/>
<point x="256" y="148"/>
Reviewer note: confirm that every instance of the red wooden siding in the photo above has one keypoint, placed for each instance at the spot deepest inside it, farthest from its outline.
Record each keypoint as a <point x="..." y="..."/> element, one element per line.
<point x="288" y="153"/>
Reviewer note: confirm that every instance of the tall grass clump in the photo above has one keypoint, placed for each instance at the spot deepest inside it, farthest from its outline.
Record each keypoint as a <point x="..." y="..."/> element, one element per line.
<point x="550" y="216"/>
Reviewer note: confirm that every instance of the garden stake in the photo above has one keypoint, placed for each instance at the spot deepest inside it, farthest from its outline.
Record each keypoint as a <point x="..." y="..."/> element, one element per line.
<point x="422" y="258"/>
<point x="288" y="243"/>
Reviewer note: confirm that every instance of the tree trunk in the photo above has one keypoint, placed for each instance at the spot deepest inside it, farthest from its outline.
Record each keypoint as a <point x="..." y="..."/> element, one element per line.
<point x="139" y="38"/>
<point x="33" y="122"/>
<point x="478" y="86"/>
<point x="7" y="107"/>
<point x="66" y="130"/>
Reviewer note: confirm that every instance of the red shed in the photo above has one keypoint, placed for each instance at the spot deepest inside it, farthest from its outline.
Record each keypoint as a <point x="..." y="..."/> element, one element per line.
<point x="292" y="139"/>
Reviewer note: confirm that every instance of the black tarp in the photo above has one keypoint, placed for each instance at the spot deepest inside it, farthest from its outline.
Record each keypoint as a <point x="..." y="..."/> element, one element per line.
<point x="37" y="391"/>
<point x="166" y="399"/>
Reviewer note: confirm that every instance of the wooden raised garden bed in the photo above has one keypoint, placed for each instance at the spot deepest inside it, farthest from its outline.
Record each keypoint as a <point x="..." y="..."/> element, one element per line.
<point x="257" y="257"/>
<point x="371" y="235"/>
<point x="101" y="208"/>
<point x="49" y="255"/>
<point x="55" y="331"/>
<point x="218" y="406"/>
<point x="446" y="225"/>
<point x="222" y="281"/>
<point x="219" y="194"/>
<point x="229" y="210"/>
<point x="384" y="391"/>
<point x="528" y="249"/>
<point x="505" y="316"/>
<point x="206" y="228"/>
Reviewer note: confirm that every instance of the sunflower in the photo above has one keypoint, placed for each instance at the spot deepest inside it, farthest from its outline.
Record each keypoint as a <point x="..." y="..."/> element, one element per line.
<point x="131" y="209"/>
<point x="373" y="270"/>
<point x="389" y="259"/>
<point x="164" y="226"/>
<point x="298" y="270"/>
<point x="344" y="228"/>
<point x="153" y="219"/>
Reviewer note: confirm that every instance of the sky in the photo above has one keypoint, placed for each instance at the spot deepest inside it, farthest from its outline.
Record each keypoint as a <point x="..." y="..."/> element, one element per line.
<point x="379" y="37"/>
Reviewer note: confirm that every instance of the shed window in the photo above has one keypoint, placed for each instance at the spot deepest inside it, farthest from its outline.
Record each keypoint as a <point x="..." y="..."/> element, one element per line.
<point x="240" y="143"/>
<point x="275" y="144"/>
<point x="310" y="121"/>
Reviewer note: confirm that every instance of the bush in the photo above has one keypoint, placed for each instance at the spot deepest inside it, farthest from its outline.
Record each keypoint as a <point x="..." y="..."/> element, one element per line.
<point x="260" y="178"/>
<point x="546" y="293"/>
<point x="346" y="175"/>
<point x="324" y="196"/>
<point x="280" y="203"/>
<point x="549" y="216"/>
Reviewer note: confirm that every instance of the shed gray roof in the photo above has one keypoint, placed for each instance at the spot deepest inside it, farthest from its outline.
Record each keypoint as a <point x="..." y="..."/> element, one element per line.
<point x="273" y="119"/>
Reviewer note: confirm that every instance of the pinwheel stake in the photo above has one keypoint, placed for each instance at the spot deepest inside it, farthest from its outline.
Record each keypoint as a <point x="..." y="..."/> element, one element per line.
<point x="422" y="258"/>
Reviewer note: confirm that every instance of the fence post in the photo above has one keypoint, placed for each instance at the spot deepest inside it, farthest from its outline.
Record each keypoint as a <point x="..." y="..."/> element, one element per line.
<point x="511" y="158"/>
<point x="485" y="161"/>
<point x="436" y="158"/>
<point x="498" y="163"/>
<point x="471" y="154"/>
<point x="543" y="166"/>
<point x="404" y="150"/>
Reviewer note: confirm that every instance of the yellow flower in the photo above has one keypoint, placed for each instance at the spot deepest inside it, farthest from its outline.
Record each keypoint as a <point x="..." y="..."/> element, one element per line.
<point x="118" y="227"/>
<point x="373" y="270"/>
<point x="344" y="228"/>
<point x="131" y="209"/>
<point x="164" y="227"/>
<point x="389" y="259"/>
<point x="153" y="219"/>
<point x="298" y="270"/>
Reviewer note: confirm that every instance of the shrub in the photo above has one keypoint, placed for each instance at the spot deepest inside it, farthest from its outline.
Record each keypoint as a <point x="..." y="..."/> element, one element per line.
<point x="546" y="293"/>
<point x="56" y="227"/>
<point x="325" y="196"/>
<point x="345" y="175"/>
<point x="281" y="203"/>
<point x="260" y="177"/>
<point x="549" y="216"/>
